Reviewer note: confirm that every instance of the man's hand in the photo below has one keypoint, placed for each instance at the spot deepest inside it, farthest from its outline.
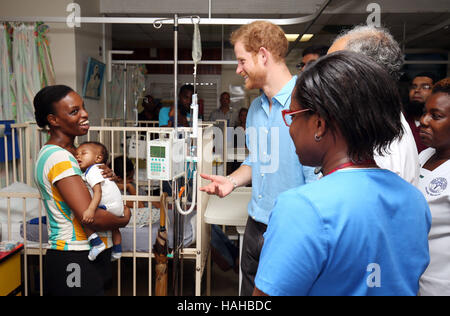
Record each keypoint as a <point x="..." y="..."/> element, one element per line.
<point x="219" y="185"/>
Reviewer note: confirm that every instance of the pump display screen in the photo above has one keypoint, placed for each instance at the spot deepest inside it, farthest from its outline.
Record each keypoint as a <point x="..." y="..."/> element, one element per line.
<point x="157" y="152"/>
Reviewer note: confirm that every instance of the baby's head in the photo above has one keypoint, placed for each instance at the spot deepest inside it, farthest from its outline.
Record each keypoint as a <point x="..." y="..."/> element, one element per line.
<point x="90" y="153"/>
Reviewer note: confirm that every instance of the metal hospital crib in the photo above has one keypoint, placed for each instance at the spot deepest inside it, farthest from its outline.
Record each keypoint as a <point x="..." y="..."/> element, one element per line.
<point x="19" y="167"/>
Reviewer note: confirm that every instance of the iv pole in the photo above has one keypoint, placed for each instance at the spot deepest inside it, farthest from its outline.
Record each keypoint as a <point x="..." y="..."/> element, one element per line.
<point x="157" y="23"/>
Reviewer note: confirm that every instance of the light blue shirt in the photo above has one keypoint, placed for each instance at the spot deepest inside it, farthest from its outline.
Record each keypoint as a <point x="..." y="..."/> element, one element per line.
<point x="275" y="165"/>
<point x="164" y="117"/>
<point x="353" y="232"/>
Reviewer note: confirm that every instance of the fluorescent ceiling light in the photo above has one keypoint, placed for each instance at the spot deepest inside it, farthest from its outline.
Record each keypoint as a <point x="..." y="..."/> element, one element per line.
<point x="293" y="37"/>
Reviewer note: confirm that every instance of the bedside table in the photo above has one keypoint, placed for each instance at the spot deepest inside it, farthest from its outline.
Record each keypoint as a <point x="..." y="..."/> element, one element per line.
<point x="10" y="272"/>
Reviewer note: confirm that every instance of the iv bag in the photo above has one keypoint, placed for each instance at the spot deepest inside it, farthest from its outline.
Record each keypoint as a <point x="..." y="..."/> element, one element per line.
<point x="196" y="45"/>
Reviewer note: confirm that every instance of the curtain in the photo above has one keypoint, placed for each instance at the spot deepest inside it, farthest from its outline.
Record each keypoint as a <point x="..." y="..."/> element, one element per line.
<point x="135" y="89"/>
<point x="46" y="69"/>
<point x="115" y="91"/>
<point x="7" y="100"/>
<point x="26" y="68"/>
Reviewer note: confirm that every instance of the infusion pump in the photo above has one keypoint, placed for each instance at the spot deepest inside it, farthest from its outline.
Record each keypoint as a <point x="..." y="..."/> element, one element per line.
<point x="165" y="159"/>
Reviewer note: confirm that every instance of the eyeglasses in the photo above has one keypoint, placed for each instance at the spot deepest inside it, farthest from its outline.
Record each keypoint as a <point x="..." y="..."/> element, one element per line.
<point x="300" y="65"/>
<point x="288" y="114"/>
<point x="420" y="87"/>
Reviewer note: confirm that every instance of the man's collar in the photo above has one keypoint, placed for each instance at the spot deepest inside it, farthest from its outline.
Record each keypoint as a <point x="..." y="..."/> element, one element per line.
<point x="284" y="94"/>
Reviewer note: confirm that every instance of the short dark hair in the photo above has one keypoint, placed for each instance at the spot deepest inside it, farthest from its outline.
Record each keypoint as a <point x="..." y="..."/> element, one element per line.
<point x="243" y="110"/>
<point x="320" y="50"/>
<point x="355" y="95"/>
<point x="442" y="86"/>
<point x="44" y="100"/>
<point x="187" y="87"/>
<point x="103" y="150"/>
<point x="118" y="166"/>
<point x="223" y="93"/>
<point x="427" y="74"/>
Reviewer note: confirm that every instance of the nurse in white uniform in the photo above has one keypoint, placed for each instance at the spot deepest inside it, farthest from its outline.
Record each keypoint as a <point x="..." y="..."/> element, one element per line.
<point x="434" y="183"/>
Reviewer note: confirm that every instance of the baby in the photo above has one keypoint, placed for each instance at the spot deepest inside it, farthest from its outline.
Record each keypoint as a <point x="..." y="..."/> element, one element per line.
<point x="105" y="195"/>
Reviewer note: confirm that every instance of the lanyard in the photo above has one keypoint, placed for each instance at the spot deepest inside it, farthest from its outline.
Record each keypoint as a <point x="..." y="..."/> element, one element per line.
<point x="351" y="163"/>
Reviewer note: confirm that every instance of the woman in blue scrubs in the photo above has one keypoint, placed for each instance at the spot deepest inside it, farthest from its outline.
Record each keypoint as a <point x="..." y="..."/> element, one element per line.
<point x="359" y="230"/>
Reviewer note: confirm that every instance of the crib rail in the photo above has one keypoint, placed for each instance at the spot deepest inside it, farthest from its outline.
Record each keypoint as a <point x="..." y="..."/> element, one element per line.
<point x="8" y="196"/>
<point x="117" y="139"/>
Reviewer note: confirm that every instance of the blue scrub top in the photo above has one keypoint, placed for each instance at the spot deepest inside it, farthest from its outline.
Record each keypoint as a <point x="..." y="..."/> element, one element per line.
<point x="354" y="232"/>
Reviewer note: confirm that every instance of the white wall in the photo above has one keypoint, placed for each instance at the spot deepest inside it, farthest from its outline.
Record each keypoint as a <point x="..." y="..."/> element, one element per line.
<point x="88" y="41"/>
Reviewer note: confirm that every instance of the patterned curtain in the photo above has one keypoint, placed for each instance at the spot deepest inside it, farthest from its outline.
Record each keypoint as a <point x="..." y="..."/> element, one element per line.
<point x="45" y="59"/>
<point x="7" y="100"/>
<point x="26" y="68"/>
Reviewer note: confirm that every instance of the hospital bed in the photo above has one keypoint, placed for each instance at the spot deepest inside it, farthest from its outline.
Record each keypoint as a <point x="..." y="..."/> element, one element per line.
<point x="20" y="201"/>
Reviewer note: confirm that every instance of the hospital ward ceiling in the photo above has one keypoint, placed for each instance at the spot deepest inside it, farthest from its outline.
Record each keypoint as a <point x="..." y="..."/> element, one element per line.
<point x="417" y="24"/>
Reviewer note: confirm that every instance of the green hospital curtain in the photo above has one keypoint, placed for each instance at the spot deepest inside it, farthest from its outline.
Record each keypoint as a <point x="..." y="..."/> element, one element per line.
<point x="26" y="71"/>
<point x="7" y="103"/>
<point x="26" y="67"/>
<point x="46" y="69"/>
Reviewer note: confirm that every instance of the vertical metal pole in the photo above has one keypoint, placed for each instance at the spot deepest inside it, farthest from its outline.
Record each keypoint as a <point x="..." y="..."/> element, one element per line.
<point x="176" y="253"/>
<point x="175" y="70"/>
<point x="104" y="61"/>
<point x="209" y="9"/>
<point x="125" y="79"/>
<point x="222" y="42"/>
<point x="25" y="253"/>
<point x="174" y="186"/>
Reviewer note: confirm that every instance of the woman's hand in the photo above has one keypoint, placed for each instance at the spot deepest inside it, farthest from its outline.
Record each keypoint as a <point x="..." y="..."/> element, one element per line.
<point x="108" y="173"/>
<point x="76" y="195"/>
<point x="126" y="215"/>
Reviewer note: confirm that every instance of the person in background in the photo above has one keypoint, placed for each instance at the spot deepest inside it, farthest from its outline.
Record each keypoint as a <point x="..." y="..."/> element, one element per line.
<point x="129" y="179"/>
<point x="260" y="49"/>
<point x="167" y="114"/>
<point x="224" y="112"/>
<point x="380" y="45"/>
<point x="359" y="230"/>
<point x="239" y="136"/>
<point x="65" y="197"/>
<point x="242" y="118"/>
<point x="419" y="91"/>
<point x="435" y="185"/>
<point x="223" y="251"/>
<point x="150" y="111"/>
<point x="310" y="54"/>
